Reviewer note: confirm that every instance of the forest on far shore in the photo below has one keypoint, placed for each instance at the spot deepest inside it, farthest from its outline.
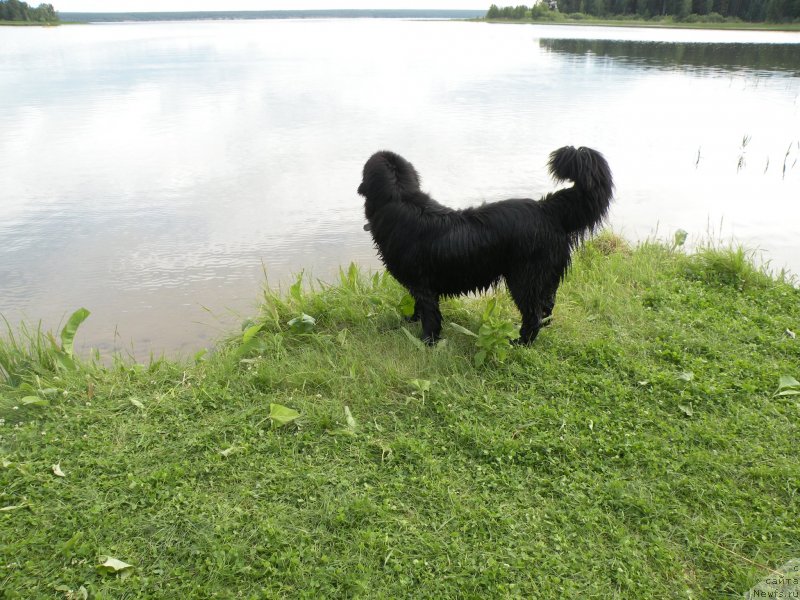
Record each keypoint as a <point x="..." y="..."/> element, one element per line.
<point x="14" y="10"/>
<point x="710" y="11"/>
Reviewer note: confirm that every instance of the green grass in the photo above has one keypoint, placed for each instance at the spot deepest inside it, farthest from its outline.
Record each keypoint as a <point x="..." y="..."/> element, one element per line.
<point x="637" y="450"/>
<point x="29" y="23"/>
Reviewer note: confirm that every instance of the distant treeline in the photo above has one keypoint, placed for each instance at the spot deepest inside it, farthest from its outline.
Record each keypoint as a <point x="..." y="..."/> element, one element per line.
<point x="14" y="10"/>
<point x="775" y="11"/>
<point x="273" y="14"/>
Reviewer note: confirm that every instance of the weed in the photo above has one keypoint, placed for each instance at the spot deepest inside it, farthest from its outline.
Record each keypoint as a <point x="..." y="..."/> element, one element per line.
<point x="742" y="152"/>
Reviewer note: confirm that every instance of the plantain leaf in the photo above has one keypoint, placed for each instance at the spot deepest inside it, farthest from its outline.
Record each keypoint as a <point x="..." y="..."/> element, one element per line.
<point x="282" y="415"/>
<point x="302" y="324"/>
<point x="71" y="328"/>
<point x="110" y="565"/>
<point x="250" y="332"/>
<point x="420" y="385"/>
<point x="788" y="386"/>
<point x="34" y="401"/>
<point x="351" y="422"/>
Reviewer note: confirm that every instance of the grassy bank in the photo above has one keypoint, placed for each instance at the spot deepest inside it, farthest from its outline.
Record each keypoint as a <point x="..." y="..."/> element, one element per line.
<point x="28" y="23"/>
<point x="637" y="450"/>
<point x="666" y="22"/>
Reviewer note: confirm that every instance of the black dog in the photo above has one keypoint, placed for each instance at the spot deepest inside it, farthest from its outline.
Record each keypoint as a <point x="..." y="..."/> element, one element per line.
<point x="436" y="251"/>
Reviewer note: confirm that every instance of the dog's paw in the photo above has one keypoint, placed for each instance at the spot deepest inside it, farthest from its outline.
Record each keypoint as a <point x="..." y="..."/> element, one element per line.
<point x="525" y="340"/>
<point x="430" y="340"/>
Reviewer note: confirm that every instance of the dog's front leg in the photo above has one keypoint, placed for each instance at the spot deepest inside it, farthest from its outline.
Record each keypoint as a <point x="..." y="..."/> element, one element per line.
<point x="426" y="308"/>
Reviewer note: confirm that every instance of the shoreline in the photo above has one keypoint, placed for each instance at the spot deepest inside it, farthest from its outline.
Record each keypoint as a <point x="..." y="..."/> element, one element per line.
<point x="648" y="24"/>
<point x="30" y="24"/>
<point x="564" y="21"/>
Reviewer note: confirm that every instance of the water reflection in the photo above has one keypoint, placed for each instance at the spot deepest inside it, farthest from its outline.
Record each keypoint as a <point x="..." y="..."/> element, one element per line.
<point x="150" y="170"/>
<point x="703" y="57"/>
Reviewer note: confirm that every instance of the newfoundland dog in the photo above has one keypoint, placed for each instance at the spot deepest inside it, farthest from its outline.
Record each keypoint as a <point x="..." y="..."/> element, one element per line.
<point x="437" y="251"/>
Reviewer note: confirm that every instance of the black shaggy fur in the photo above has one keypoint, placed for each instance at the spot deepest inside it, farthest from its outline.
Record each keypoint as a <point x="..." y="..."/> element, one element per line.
<point x="436" y="251"/>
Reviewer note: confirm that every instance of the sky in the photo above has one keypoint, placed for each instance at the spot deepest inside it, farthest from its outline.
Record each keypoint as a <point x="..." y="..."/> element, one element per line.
<point x="193" y="5"/>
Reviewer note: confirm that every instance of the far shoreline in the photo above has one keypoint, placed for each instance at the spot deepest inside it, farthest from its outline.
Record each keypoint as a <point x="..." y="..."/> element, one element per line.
<point x="643" y="23"/>
<point x="31" y="24"/>
<point x="563" y="20"/>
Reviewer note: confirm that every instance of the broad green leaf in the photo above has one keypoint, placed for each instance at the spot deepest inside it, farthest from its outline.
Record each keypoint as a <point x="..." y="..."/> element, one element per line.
<point x="112" y="566"/>
<point x="352" y="276"/>
<point x="250" y="332"/>
<point x="136" y="402"/>
<point x="407" y="305"/>
<point x="34" y="401"/>
<point x="282" y="415"/>
<point x="421" y="385"/>
<point x="296" y="289"/>
<point x="491" y="306"/>
<point x="57" y="470"/>
<point x="680" y="237"/>
<point x="71" y="328"/>
<point x="787" y="381"/>
<point x="686" y="376"/>
<point x="228" y="451"/>
<point x="351" y="422"/>
<point x="414" y="340"/>
<point x="463" y="330"/>
<point x="789" y="393"/>
<point x="302" y="324"/>
<point x="64" y="360"/>
<point x="686" y="409"/>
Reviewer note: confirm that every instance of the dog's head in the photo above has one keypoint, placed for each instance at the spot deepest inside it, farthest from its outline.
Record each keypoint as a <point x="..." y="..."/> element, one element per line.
<point x="387" y="177"/>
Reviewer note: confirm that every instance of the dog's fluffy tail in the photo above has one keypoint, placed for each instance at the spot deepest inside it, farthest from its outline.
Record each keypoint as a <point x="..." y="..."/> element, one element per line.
<point x="581" y="208"/>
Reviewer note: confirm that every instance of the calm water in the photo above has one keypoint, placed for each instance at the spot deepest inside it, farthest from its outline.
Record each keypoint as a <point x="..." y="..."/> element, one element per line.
<point x="152" y="172"/>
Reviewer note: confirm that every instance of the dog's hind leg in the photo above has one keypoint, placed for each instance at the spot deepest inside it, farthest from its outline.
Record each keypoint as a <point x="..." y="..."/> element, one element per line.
<point x="426" y="308"/>
<point x="547" y="310"/>
<point x="415" y="316"/>
<point x="534" y="296"/>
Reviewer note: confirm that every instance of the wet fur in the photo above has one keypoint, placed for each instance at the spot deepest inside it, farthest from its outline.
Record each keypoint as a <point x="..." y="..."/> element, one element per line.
<point x="437" y="251"/>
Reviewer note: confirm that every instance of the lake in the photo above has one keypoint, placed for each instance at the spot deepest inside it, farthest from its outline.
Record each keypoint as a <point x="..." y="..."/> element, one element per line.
<point x="154" y="172"/>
